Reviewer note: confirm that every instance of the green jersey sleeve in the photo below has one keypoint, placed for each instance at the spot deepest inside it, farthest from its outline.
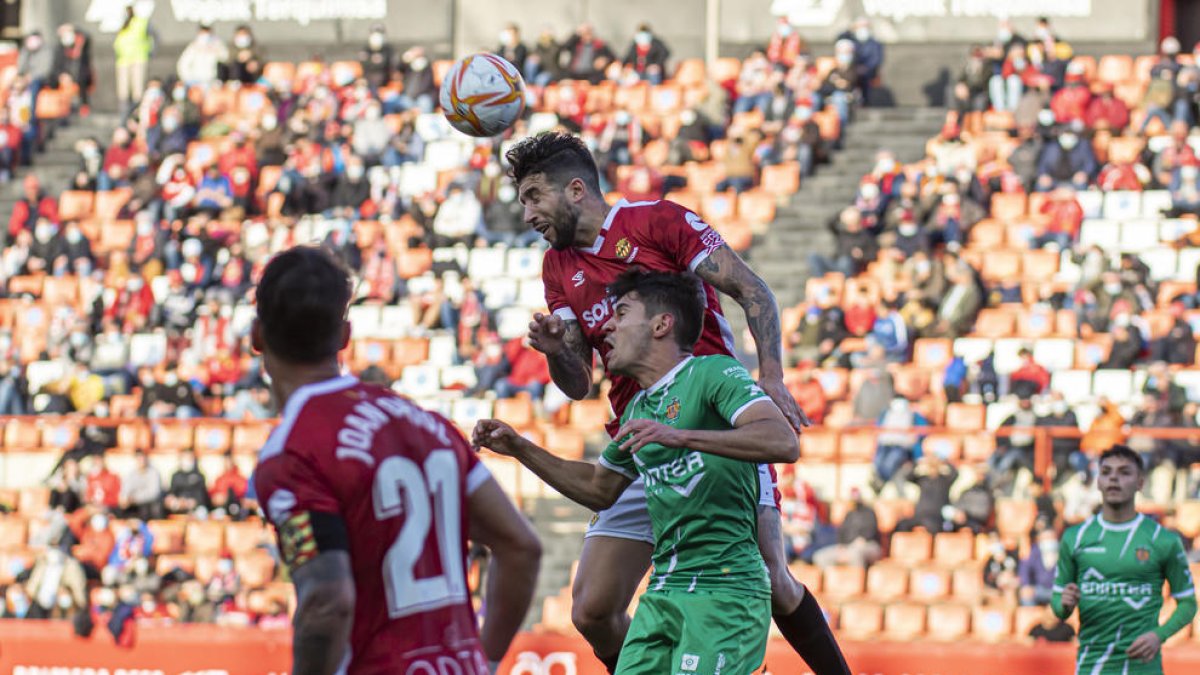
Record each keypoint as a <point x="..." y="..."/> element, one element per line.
<point x="1065" y="573"/>
<point x="1183" y="589"/>
<point x="729" y="387"/>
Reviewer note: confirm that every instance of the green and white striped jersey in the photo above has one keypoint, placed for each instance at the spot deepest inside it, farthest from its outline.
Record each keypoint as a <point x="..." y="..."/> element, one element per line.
<point x="1120" y="569"/>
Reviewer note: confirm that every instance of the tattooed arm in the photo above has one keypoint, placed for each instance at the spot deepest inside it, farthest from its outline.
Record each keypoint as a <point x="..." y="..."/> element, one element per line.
<point x="324" y="613"/>
<point x="567" y="351"/>
<point x="728" y="273"/>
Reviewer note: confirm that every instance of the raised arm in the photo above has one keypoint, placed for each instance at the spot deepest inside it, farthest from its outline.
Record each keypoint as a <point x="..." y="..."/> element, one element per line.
<point x="513" y="570"/>
<point x="567" y="351"/>
<point x="590" y="485"/>
<point x="324" y="613"/>
<point x="760" y="434"/>
<point x="728" y="273"/>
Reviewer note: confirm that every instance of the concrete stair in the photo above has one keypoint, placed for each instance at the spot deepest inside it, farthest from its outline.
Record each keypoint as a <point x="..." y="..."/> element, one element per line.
<point x="780" y="255"/>
<point x="57" y="163"/>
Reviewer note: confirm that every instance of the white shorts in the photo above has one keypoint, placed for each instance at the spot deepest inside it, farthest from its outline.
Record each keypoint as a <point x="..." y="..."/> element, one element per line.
<point x="628" y="518"/>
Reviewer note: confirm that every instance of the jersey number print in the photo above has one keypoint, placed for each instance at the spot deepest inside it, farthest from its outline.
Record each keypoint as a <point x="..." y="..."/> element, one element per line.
<point x="404" y="488"/>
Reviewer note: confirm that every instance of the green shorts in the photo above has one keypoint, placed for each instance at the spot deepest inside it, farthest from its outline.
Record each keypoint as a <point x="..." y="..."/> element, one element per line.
<point x="675" y="633"/>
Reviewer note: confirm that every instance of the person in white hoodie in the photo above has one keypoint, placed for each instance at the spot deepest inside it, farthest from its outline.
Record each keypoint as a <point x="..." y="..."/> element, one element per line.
<point x="200" y="62"/>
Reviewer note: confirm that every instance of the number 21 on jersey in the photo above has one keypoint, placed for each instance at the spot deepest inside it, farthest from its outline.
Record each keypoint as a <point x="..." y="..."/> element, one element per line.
<point x="403" y="487"/>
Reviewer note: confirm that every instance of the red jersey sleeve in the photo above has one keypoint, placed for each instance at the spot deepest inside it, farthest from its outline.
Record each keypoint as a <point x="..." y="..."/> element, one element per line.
<point x="552" y="285"/>
<point x="681" y="235"/>
<point x="291" y="488"/>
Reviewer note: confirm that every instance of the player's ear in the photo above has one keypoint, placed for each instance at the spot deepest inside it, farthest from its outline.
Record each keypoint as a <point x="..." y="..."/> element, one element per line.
<point x="576" y="190"/>
<point x="256" y="337"/>
<point x="662" y="325"/>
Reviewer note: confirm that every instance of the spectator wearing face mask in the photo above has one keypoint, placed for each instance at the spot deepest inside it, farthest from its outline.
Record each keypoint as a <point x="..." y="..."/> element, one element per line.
<point x="1009" y="83"/>
<point x="511" y="48"/>
<point x="868" y="55"/>
<point x="785" y="44"/>
<point x="1185" y="190"/>
<point x="48" y="246"/>
<point x="202" y="59"/>
<point x="1163" y="102"/>
<point x="1105" y="111"/>
<point x="1067" y="160"/>
<point x="620" y="141"/>
<point x="647" y="55"/>
<point x="1065" y="454"/>
<point x="1070" y="103"/>
<point x="141" y="489"/>
<point x="57" y="585"/>
<point x="35" y="62"/>
<point x="417" y="74"/>
<point x="247" y="63"/>
<point x="1036" y="571"/>
<point x="74" y="59"/>
<point x="896" y="447"/>
<point x="33" y="206"/>
<point x="377" y="58"/>
<point x="584" y="56"/>
<point x="188" y="490"/>
<point x="841" y="82"/>
<point x="96" y="544"/>
<point x="229" y="489"/>
<point x="352" y="192"/>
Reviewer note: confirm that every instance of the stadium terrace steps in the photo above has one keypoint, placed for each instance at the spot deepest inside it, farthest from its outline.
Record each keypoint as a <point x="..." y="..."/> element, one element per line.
<point x="560" y="524"/>
<point x="780" y="255"/>
<point x="57" y="164"/>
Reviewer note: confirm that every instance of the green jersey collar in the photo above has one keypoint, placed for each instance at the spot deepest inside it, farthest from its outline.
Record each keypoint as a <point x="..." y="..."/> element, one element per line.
<point x="1120" y="527"/>
<point x="669" y="377"/>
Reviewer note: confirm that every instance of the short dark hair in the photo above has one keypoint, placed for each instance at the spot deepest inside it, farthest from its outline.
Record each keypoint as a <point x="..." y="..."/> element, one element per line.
<point x="680" y="295"/>
<point x="561" y="157"/>
<point x="1124" y="452"/>
<point x="302" y="300"/>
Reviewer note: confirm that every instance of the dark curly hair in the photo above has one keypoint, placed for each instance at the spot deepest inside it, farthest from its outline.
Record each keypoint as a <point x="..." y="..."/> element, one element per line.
<point x="560" y="157"/>
<point x="1126" y="453"/>
<point x="302" y="300"/>
<point x="680" y="295"/>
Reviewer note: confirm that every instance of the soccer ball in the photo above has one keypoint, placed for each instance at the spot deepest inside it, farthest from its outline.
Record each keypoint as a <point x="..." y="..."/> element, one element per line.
<point x="482" y="95"/>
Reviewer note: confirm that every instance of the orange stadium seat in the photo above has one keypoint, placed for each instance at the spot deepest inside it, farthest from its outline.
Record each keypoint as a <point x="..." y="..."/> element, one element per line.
<point x="726" y="68"/>
<point x="994" y="323"/>
<point x="33" y="501"/>
<point x="590" y="414"/>
<point x="75" y="204"/>
<point x="860" y="620"/>
<point x="819" y="445"/>
<point x="903" y="621"/>
<point x="934" y="353"/>
<point x="887" y="581"/>
<point x="888" y="512"/>
<point x="256" y="568"/>
<point x="564" y="442"/>
<point x="204" y="536"/>
<point x="856" y="446"/>
<point x="168" y="535"/>
<point x="966" y="583"/>
<point x="978" y="447"/>
<point x="781" y="180"/>
<point x="1114" y="68"/>
<point x="991" y="624"/>
<point x="910" y="548"/>
<point x="249" y="437"/>
<point x="109" y="203"/>
<point x="690" y="73"/>
<point x="948" y="622"/>
<point x="1025" y="618"/>
<point x="517" y="412"/>
<point x="1007" y="206"/>
<point x="843" y="582"/>
<point x="172" y="436"/>
<point x="13" y="531"/>
<point x="1187" y="518"/>
<point x="929" y="583"/>
<point x="244" y="537"/>
<point x="1015" y="516"/>
<point x="21" y="434"/>
<point x="953" y="548"/>
<point x="809" y="575"/>
<point x="212" y="438"/>
<point x="965" y="416"/>
<point x="30" y="284"/>
<point x="168" y="562"/>
<point x="944" y="445"/>
<point x="1001" y="264"/>
<point x="988" y="234"/>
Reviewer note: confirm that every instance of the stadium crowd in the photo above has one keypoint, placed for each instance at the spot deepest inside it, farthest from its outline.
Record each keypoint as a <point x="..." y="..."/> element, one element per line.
<point x="129" y="294"/>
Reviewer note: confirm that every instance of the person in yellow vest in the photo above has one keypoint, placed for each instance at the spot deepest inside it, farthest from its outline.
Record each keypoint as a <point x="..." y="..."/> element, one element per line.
<point x="132" y="45"/>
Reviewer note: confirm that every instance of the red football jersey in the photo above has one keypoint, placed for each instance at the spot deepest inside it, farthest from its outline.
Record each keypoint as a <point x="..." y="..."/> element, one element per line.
<point x="658" y="235"/>
<point x="399" y="477"/>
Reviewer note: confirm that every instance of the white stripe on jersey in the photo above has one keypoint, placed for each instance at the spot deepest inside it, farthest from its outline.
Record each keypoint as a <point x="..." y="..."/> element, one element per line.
<point x="1083" y="528"/>
<point x="1099" y="667"/>
<point x="1132" y="531"/>
<point x="275" y="442"/>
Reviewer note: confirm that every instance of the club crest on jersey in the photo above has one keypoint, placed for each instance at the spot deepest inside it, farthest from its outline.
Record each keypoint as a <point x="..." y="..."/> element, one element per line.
<point x="1142" y="554"/>
<point x="625" y="250"/>
<point x="578" y="278"/>
<point x="673" y="410"/>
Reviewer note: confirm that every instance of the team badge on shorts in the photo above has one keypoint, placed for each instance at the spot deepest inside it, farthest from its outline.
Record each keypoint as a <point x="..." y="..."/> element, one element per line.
<point x="595" y="519"/>
<point x="673" y="410"/>
<point x="1142" y="554"/>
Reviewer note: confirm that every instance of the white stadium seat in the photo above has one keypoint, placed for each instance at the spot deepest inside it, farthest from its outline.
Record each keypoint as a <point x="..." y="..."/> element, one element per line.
<point x="498" y="292"/>
<point x="465" y="412"/>
<point x="419" y="381"/>
<point x="972" y="350"/>
<point x="1154" y="202"/>
<point x="364" y="321"/>
<point x="486" y="263"/>
<point x="1008" y="357"/>
<point x="525" y="263"/>
<point x="1162" y="262"/>
<point x="1055" y="353"/>
<point x="1074" y="385"/>
<point x="513" y="322"/>
<point x="1092" y="202"/>
<point x="1103" y="233"/>
<point x="458" y="377"/>
<point x="443" y="350"/>
<point x="395" y="321"/>
<point x="1115" y="385"/>
<point x="1122" y="204"/>
<point x="1139" y="235"/>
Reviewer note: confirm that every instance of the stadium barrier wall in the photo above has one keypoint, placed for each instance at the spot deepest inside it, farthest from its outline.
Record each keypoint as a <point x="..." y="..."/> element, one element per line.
<point x="50" y="648"/>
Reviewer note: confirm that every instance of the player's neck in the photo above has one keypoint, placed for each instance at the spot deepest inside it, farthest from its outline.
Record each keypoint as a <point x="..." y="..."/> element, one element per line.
<point x="656" y="365"/>
<point x="286" y="380"/>
<point x="591" y="221"/>
<point x="1117" y="514"/>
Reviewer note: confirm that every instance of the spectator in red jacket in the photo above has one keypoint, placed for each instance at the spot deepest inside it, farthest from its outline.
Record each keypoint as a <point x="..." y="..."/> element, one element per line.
<point x="1030" y="379"/>
<point x="102" y="488"/>
<point x="1123" y="176"/>
<point x="785" y="44"/>
<point x="860" y="316"/>
<point x="1066" y="215"/>
<point x="123" y="148"/>
<point x="33" y="205"/>
<point x="1105" y="111"/>
<point x="809" y="394"/>
<point x="230" y="487"/>
<point x="528" y="371"/>
<point x="10" y="146"/>
<point x="1070" y="103"/>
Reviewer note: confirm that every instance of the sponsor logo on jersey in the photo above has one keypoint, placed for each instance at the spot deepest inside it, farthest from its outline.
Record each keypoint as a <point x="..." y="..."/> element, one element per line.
<point x="1142" y="554"/>
<point x="1094" y="549"/>
<point x="554" y="663"/>
<point x="578" y="279"/>
<point x="598" y="314"/>
<point x="673" y="410"/>
<point x="682" y="473"/>
<point x="1094" y="585"/>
